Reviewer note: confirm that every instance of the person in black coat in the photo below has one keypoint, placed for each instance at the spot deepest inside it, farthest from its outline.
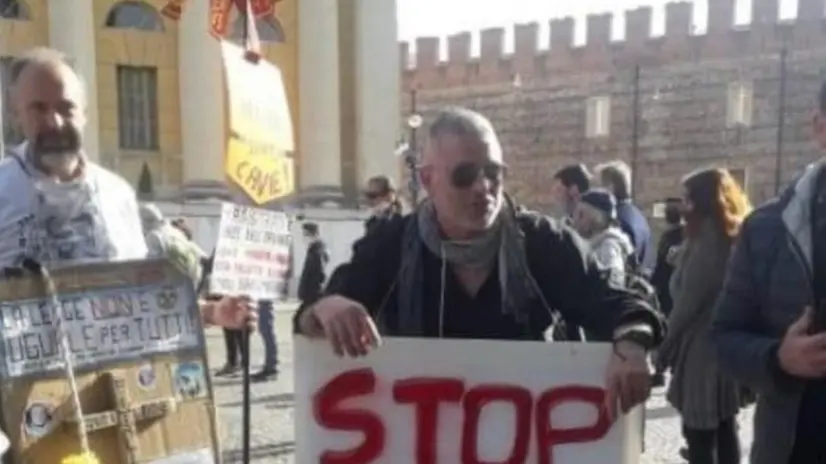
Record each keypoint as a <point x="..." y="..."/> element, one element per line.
<point x="314" y="272"/>
<point x="442" y="271"/>
<point x="382" y="198"/>
<point x="670" y="239"/>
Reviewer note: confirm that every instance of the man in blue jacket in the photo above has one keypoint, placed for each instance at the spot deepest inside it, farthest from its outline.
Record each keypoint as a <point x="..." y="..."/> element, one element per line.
<point x="769" y="321"/>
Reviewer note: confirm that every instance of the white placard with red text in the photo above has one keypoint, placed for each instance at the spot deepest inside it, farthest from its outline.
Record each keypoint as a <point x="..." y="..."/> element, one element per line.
<point x="380" y="409"/>
<point x="252" y="254"/>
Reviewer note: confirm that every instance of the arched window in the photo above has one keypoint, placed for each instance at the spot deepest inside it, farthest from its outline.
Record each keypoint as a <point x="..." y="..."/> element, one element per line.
<point x="134" y="15"/>
<point x="13" y="9"/>
<point x="269" y="29"/>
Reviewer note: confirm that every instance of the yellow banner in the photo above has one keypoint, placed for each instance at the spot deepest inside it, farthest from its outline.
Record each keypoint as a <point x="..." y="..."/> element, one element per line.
<point x="260" y="141"/>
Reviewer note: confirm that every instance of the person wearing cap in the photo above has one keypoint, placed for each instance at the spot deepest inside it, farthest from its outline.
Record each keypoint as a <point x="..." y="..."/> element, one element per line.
<point x="595" y="218"/>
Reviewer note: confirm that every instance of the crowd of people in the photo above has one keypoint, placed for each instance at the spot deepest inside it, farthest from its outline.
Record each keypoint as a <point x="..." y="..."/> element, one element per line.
<point x="741" y="293"/>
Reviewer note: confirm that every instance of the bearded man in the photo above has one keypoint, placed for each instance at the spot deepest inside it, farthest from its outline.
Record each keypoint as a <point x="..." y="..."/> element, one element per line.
<point x="56" y="205"/>
<point x="469" y="264"/>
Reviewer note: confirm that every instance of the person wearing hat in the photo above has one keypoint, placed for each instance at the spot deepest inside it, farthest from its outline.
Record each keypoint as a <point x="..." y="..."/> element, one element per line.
<point x="595" y="218"/>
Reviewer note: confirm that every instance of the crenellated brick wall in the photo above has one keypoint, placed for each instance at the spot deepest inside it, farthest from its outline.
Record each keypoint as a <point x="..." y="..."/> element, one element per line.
<point x="683" y="94"/>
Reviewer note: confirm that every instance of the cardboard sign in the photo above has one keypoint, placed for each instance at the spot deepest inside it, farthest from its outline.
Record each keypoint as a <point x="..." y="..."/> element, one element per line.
<point x="252" y="254"/>
<point x="137" y="341"/>
<point x="260" y="128"/>
<point x="447" y="401"/>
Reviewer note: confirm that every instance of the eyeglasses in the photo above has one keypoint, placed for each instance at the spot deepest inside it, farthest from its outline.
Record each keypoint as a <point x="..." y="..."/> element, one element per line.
<point x="465" y="174"/>
<point x="373" y="195"/>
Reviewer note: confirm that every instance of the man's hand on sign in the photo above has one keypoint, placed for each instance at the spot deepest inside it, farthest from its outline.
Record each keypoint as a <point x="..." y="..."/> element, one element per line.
<point x="230" y="312"/>
<point x="628" y="378"/>
<point x="345" y="323"/>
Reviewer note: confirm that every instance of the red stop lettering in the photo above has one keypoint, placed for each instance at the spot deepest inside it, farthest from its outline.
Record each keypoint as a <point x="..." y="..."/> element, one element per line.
<point x="329" y="414"/>
<point x="427" y="394"/>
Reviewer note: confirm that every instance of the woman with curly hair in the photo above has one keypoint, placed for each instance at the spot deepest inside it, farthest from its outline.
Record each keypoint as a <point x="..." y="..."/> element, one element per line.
<point x="714" y="206"/>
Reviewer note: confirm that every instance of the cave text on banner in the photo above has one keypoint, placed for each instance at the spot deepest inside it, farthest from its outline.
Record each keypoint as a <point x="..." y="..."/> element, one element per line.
<point x="260" y="145"/>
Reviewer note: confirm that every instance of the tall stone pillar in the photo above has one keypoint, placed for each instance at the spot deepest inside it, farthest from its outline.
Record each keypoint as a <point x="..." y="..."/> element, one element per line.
<point x="319" y="95"/>
<point x="201" y="86"/>
<point x="72" y="30"/>
<point x="377" y="88"/>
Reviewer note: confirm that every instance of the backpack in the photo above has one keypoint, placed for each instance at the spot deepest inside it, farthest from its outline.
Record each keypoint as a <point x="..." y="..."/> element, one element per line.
<point x="637" y="282"/>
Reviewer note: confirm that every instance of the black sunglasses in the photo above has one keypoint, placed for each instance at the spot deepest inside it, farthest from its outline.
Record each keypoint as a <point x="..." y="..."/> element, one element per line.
<point x="465" y="174"/>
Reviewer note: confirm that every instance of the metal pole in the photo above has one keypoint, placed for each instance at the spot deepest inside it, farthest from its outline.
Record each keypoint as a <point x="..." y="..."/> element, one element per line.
<point x="781" y="121"/>
<point x="3" y="70"/>
<point x="635" y="129"/>
<point x="413" y="153"/>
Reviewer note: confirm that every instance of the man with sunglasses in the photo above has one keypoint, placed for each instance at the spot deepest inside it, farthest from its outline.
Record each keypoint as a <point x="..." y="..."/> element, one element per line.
<point x="469" y="264"/>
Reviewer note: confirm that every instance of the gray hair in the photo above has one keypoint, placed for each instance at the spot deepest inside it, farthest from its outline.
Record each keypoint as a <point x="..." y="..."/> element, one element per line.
<point x="616" y="176"/>
<point x="462" y="122"/>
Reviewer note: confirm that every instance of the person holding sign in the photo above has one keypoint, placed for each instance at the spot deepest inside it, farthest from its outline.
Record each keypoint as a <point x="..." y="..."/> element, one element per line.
<point x="470" y="264"/>
<point x="56" y="205"/>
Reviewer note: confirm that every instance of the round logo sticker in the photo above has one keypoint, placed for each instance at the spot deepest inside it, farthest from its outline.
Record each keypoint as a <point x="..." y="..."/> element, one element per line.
<point x="190" y="380"/>
<point x="147" y="377"/>
<point x="38" y="419"/>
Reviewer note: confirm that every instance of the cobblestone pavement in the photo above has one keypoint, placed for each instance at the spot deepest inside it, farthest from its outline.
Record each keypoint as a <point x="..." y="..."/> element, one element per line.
<point x="273" y="441"/>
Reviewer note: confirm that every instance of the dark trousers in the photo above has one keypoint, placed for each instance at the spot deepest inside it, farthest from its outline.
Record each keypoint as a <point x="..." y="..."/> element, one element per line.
<point x="715" y="446"/>
<point x="266" y="326"/>
<point x="234" y="340"/>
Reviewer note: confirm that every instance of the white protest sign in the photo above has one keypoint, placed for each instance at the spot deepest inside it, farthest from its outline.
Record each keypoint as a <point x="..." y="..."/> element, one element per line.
<point x="448" y="401"/>
<point x="252" y="254"/>
<point x="101" y="327"/>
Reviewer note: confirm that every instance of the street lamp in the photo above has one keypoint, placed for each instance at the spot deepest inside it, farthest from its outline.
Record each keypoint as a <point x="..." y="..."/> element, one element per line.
<point x="414" y="122"/>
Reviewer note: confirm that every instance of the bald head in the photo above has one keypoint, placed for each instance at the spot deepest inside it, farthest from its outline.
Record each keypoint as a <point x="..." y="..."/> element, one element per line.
<point x="42" y="60"/>
<point x="49" y="103"/>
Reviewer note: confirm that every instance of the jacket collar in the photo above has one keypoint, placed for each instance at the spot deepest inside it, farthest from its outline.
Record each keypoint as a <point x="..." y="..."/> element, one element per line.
<point x="797" y="212"/>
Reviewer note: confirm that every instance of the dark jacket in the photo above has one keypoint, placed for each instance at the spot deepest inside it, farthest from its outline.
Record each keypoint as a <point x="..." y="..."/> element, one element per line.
<point x="663" y="270"/>
<point x="571" y="281"/>
<point x="768" y="285"/>
<point x="633" y="223"/>
<point x="313" y="274"/>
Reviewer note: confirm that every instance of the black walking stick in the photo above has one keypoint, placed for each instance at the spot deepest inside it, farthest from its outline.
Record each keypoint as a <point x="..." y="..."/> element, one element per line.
<point x="246" y="413"/>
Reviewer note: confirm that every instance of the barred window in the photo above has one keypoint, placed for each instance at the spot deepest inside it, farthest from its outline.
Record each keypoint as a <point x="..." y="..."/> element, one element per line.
<point x="598" y="116"/>
<point x="138" y="107"/>
<point x="11" y="136"/>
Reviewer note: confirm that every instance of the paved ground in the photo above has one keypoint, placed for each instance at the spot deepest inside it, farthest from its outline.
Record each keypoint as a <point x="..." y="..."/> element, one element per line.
<point x="272" y="408"/>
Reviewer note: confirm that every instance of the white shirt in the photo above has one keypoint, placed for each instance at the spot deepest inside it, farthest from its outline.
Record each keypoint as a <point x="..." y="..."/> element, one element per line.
<point x="92" y="219"/>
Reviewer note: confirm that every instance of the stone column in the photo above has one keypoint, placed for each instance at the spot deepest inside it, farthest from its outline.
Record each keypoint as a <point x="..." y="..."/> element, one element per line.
<point x="201" y="83"/>
<point x="319" y="92"/>
<point x="377" y="88"/>
<point x="72" y="30"/>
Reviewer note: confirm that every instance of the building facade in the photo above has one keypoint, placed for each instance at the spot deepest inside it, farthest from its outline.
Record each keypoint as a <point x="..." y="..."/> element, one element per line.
<point x="157" y="96"/>
<point x="736" y="96"/>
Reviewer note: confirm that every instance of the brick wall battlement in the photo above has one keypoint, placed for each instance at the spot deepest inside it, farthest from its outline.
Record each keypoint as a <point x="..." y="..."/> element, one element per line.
<point x="722" y="40"/>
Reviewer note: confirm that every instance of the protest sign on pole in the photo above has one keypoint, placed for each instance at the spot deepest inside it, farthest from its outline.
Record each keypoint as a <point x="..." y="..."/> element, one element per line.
<point x="259" y="150"/>
<point x="137" y="343"/>
<point x="252" y="254"/>
<point x="450" y="401"/>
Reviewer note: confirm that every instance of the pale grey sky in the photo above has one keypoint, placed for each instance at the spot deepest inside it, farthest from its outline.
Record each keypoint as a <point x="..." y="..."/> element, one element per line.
<point x="444" y="17"/>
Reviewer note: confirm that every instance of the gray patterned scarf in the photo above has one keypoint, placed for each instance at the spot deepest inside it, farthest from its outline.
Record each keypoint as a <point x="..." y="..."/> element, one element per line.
<point x="501" y="247"/>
